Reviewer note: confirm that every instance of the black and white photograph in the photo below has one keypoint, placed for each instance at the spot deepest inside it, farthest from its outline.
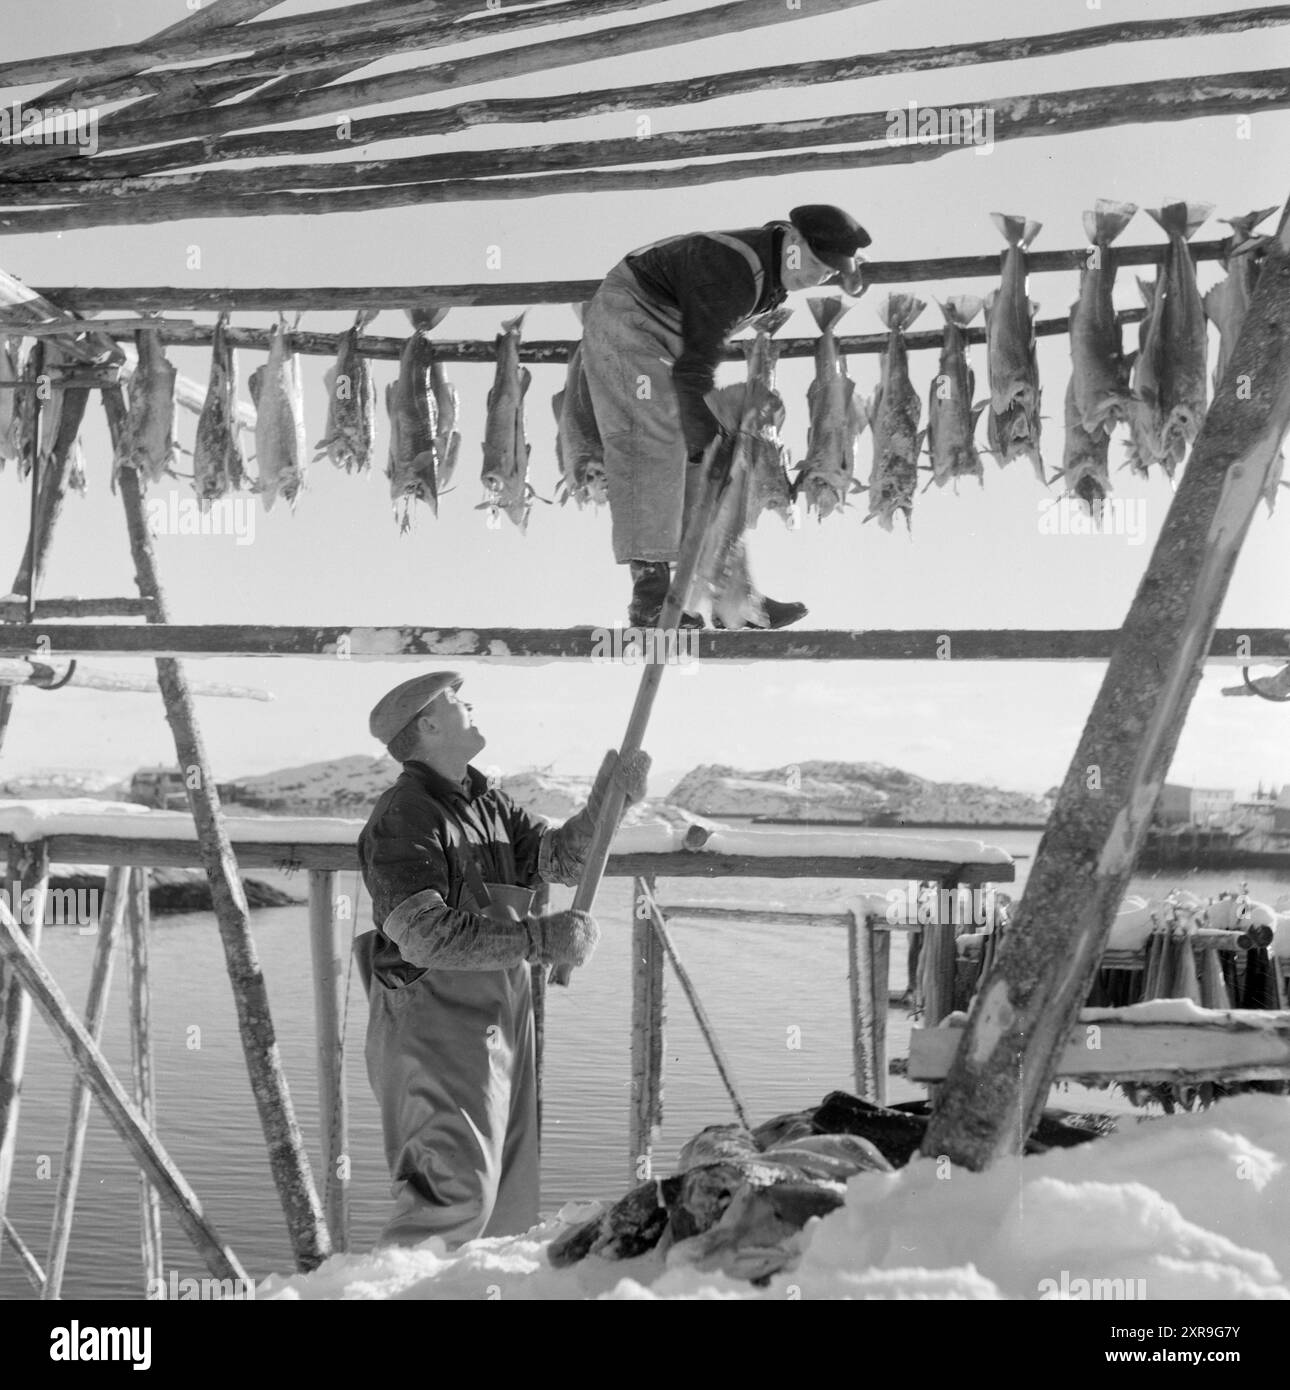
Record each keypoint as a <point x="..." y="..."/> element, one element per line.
<point x="641" y="649"/>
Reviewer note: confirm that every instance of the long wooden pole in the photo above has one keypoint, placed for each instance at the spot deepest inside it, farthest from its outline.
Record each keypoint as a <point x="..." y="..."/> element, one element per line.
<point x="43" y="676"/>
<point x="329" y="971"/>
<point x="30" y="1264"/>
<point x="69" y="1175"/>
<point x="651" y="96"/>
<point x="29" y="869"/>
<point x="287" y="1158"/>
<point x="1028" y="1003"/>
<point x="649" y="1007"/>
<point x="1016" y="118"/>
<point x="35" y="982"/>
<point x="142" y="1069"/>
<point x="722" y="458"/>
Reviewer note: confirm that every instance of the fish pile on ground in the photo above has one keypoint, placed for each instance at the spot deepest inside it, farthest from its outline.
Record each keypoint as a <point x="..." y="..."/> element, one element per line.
<point x="740" y="1199"/>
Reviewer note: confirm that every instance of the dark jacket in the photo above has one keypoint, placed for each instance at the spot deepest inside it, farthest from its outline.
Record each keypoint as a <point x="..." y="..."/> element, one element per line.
<point x="712" y="286"/>
<point x="412" y="853"/>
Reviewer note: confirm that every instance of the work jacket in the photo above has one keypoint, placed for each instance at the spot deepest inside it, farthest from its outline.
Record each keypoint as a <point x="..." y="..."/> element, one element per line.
<point x="415" y="854"/>
<point x="715" y="289"/>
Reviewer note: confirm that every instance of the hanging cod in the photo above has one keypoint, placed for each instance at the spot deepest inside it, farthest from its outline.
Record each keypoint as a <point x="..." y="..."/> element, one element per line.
<point x="827" y="474"/>
<point x="148" y="443"/>
<point x="350" y="435"/>
<point x="893" y="420"/>
<point x="447" y="440"/>
<point x="280" y="448"/>
<point x="1085" y="458"/>
<point x="413" y="466"/>
<point x="1099" y="367"/>
<point x="218" y="464"/>
<point x="506" y="454"/>
<point x="60" y="422"/>
<point x="1013" y="423"/>
<point x="26" y="408"/>
<point x="10" y="371"/>
<point x="1169" y="375"/>
<point x="769" y="486"/>
<point x="578" y="448"/>
<point x="951" y="416"/>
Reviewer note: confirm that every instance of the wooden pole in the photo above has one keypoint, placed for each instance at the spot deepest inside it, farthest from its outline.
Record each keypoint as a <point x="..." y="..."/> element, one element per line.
<point x="537" y="985"/>
<point x="651" y="96"/>
<point x="69" y="1175"/>
<point x="37" y="983"/>
<point x="936" y="962"/>
<point x="645" y="1116"/>
<point x="29" y="868"/>
<point x="329" y="971"/>
<point x="1028" y="1002"/>
<point x="1016" y="118"/>
<point x="287" y="1158"/>
<point x="721" y="462"/>
<point x="142" y="1071"/>
<point x="30" y="1265"/>
<point x="869" y="966"/>
<point x="42" y="676"/>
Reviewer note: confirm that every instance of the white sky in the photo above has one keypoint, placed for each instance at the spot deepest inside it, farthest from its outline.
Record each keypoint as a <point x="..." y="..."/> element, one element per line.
<point x="975" y="560"/>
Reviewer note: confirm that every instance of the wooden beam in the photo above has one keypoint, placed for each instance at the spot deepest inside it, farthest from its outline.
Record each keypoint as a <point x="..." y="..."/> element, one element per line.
<point x="271" y="299"/>
<point x="15" y="610"/>
<point x="649" y="1019"/>
<point x="701" y="912"/>
<point x="1045" y="962"/>
<point x="287" y="1158"/>
<point x="78" y="1116"/>
<point x="1016" y="118"/>
<point x="653" y="96"/>
<point x="1229" y="646"/>
<point x="868" y="971"/>
<point x="22" y="305"/>
<point x="43" y="676"/>
<point x="142" y="1069"/>
<point x="37" y="983"/>
<point x="1237" y="1045"/>
<point x="327" y="954"/>
<point x="539" y="350"/>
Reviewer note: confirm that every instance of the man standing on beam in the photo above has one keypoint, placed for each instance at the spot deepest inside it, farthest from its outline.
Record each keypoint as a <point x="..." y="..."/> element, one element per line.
<point x="451" y="864"/>
<point x="653" y="335"/>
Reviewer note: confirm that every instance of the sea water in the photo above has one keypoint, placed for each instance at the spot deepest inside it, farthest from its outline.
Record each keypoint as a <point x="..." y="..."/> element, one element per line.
<point x="777" y="997"/>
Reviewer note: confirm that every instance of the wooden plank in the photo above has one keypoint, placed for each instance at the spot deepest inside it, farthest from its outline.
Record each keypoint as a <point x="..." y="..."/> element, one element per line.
<point x="15" y="610"/>
<point x="1017" y="118"/>
<point x="652" y="96"/>
<point x="342" y="855"/>
<point x="560" y="350"/>
<point x="21" y="304"/>
<point x="288" y="1161"/>
<point x="1234" y="646"/>
<point x="38" y="984"/>
<point x="142" y="1070"/>
<point x="649" y="1012"/>
<point x="329" y="972"/>
<point x="271" y="299"/>
<point x="1046" y="961"/>
<point x="29" y="868"/>
<point x="868" y="969"/>
<point x="1236" y="1048"/>
<point x="702" y="913"/>
<point x="69" y="1174"/>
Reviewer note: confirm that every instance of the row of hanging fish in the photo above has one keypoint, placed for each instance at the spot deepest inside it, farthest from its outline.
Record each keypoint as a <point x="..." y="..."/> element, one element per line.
<point x="46" y="426"/>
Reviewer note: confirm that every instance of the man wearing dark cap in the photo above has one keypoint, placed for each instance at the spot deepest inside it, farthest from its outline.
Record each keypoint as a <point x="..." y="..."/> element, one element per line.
<point x="652" y="338"/>
<point x="451" y="864"/>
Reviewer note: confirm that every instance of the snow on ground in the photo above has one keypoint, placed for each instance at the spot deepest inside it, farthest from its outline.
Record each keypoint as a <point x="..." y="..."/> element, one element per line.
<point x="1194" y="1206"/>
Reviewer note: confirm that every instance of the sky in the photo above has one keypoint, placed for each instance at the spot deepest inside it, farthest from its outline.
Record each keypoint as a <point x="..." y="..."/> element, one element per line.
<point x="976" y="559"/>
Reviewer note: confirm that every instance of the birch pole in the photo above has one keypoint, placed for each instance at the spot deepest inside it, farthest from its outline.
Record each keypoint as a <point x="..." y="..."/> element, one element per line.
<point x="1028" y="1003"/>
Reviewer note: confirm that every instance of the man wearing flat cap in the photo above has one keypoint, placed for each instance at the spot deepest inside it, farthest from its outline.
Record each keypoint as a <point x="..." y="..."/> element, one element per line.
<point x="451" y="864"/>
<point x="652" y="338"/>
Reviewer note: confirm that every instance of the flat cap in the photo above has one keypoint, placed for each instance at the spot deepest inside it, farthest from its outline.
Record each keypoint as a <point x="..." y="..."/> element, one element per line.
<point x="833" y="235"/>
<point x="396" y="708"/>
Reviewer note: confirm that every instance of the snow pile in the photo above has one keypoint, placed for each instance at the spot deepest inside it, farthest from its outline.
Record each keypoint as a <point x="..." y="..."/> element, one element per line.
<point x="1192" y="1206"/>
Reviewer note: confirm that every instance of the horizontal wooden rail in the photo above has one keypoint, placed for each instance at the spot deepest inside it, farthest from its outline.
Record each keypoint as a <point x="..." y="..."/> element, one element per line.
<point x="626" y="646"/>
<point x="137" y="298"/>
<point x="703" y="913"/>
<point x="15" y="610"/>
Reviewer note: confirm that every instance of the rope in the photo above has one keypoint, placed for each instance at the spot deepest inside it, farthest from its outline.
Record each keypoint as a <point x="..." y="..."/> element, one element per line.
<point x="1254" y="689"/>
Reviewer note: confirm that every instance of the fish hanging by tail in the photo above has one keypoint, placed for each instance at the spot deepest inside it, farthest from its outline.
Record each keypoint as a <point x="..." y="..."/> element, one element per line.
<point x="506" y="450"/>
<point x="893" y="420"/>
<point x="951" y="415"/>
<point x="413" y="461"/>
<point x="218" y="465"/>
<point x="770" y="488"/>
<point x="281" y="453"/>
<point x="1099" y="367"/>
<point x="826" y="476"/>
<point x="148" y="444"/>
<point x="1013" y="424"/>
<point x="350" y="436"/>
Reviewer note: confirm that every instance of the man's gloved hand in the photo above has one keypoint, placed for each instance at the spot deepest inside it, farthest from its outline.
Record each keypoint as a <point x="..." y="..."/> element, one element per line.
<point x="562" y="938"/>
<point x="631" y="774"/>
<point x="565" y="850"/>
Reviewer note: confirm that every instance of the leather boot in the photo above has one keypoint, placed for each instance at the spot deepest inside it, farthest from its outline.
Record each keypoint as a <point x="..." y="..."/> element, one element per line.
<point x="776" y="615"/>
<point x="651" y="580"/>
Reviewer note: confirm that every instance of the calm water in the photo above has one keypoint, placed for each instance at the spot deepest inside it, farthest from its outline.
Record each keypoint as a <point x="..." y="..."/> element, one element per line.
<point x="761" y="984"/>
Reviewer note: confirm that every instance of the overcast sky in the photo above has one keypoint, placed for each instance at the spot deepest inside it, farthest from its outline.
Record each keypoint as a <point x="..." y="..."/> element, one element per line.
<point x="978" y="559"/>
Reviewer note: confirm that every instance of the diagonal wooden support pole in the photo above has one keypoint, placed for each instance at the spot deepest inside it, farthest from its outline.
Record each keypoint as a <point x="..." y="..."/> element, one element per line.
<point x="1028" y="1003"/>
<point x="141" y="1063"/>
<point x="287" y="1158"/>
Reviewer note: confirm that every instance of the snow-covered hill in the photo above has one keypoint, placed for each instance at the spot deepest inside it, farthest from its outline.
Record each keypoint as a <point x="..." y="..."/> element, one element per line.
<point x="867" y="792"/>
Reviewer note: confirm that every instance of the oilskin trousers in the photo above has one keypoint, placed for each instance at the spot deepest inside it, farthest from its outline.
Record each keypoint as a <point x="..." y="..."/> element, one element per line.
<point x="451" y="1058"/>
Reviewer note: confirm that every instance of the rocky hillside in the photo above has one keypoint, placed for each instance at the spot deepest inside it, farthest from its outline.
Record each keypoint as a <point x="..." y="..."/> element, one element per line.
<point x="863" y="793"/>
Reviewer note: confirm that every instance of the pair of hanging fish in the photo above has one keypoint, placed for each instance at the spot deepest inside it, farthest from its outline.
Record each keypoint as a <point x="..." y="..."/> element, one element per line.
<point x="51" y="432"/>
<point x="422" y="406"/>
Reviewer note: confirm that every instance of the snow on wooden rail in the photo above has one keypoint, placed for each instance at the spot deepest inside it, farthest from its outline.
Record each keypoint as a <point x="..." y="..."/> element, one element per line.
<point x="624" y="646"/>
<point x="1159" y="1040"/>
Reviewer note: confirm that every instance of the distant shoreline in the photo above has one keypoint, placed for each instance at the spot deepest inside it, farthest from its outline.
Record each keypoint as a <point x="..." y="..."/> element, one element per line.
<point x="861" y="824"/>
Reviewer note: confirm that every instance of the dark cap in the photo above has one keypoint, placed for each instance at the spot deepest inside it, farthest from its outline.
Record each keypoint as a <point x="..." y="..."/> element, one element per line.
<point x="394" y="710"/>
<point x="834" y="236"/>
